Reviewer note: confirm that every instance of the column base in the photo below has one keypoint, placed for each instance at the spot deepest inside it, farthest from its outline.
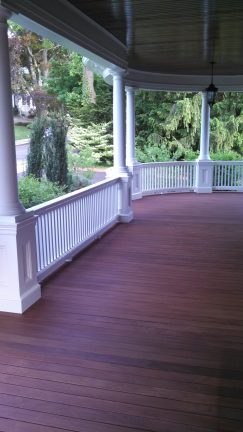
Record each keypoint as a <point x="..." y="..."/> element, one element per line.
<point x="126" y="218"/>
<point x="125" y="198"/>
<point x="204" y="176"/>
<point x="19" y="288"/>
<point x="22" y="303"/>
<point x="203" y="190"/>
<point x="136" y="182"/>
<point x="137" y="196"/>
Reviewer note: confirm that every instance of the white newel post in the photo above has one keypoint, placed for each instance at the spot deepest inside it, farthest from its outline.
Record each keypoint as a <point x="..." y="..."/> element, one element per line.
<point x="18" y="267"/>
<point x="132" y="164"/>
<point x="119" y="141"/>
<point x="204" y="165"/>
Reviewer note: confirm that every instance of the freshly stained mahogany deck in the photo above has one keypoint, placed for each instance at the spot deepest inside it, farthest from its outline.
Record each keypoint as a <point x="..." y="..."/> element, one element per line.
<point x="142" y="332"/>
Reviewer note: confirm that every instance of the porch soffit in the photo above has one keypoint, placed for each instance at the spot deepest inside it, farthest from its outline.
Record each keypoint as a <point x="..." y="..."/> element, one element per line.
<point x="161" y="44"/>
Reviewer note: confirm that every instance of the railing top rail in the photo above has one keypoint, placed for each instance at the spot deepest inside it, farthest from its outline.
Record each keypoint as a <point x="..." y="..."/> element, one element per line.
<point x="177" y="163"/>
<point x="238" y="162"/>
<point x="72" y="196"/>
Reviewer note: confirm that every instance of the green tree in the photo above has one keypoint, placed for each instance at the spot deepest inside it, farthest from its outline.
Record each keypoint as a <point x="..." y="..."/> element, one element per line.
<point x="55" y="152"/>
<point x="47" y="152"/>
<point x="35" y="161"/>
<point x="94" y="140"/>
<point x="168" y="121"/>
<point x="30" y="56"/>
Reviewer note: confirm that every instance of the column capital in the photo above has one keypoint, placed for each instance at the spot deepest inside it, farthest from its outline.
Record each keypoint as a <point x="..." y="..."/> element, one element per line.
<point x="129" y="89"/>
<point x="5" y="14"/>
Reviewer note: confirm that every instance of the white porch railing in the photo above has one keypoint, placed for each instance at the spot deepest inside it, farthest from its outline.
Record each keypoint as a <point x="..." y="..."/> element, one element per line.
<point x="228" y="175"/>
<point x="165" y="177"/>
<point x="68" y="224"/>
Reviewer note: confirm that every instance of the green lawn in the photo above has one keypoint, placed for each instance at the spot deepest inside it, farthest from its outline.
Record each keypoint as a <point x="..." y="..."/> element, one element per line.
<point x="21" y="132"/>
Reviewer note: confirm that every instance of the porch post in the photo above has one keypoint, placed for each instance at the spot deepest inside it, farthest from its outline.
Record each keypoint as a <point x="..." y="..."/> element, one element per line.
<point x="131" y="161"/>
<point x="204" y="165"/>
<point x="130" y="127"/>
<point x="119" y="123"/>
<point x="9" y="201"/>
<point x="18" y="275"/>
<point x="119" y="140"/>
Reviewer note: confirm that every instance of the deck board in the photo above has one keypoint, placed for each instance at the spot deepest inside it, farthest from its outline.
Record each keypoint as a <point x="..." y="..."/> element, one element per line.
<point x="142" y="332"/>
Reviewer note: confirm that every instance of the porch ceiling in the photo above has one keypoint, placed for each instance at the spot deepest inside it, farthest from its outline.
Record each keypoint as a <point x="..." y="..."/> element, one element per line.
<point x="174" y="37"/>
<point x="161" y="44"/>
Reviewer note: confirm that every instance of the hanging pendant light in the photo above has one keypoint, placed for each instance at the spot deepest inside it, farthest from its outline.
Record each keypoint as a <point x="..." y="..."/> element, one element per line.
<point x="211" y="90"/>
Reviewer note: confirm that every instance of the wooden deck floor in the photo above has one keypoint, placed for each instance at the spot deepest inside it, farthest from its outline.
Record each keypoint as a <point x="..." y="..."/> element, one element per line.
<point x="142" y="332"/>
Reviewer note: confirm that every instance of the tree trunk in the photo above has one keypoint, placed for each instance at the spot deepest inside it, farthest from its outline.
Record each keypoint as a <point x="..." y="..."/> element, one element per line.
<point x="45" y="63"/>
<point x="89" y="76"/>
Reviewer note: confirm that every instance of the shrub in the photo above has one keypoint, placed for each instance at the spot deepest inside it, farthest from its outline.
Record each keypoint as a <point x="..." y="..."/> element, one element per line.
<point x="94" y="141"/>
<point x="229" y="155"/>
<point x="33" y="191"/>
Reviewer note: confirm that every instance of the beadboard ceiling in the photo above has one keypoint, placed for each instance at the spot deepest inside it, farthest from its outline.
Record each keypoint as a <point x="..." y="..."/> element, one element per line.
<point x="174" y="36"/>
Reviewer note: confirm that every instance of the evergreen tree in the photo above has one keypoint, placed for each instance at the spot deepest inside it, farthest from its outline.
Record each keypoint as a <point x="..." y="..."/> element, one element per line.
<point x="35" y="162"/>
<point x="47" y="152"/>
<point x="55" y="153"/>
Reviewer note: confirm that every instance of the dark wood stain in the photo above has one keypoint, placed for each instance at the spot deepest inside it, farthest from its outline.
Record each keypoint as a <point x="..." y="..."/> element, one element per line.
<point x="142" y="332"/>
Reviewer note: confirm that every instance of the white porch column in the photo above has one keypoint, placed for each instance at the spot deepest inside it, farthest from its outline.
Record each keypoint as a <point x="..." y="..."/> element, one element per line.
<point x="131" y="161"/>
<point x="130" y="127"/>
<point x="119" y="130"/>
<point x="205" y="129"/>
<point x="18" y="268"/>
<point x="204" y="165"/>
<point x="9" y="201"/>
<point x="119" y="141"/>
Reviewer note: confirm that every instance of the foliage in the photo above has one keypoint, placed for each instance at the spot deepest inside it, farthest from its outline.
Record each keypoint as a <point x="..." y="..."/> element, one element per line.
<point x="229" y="155"/>
<point x="167" y="123"/>
<point x="47" y="152"/>
<point x="172" y="121"/>
<point x="21" y="132"/>
<point x="35" y="161"/>
<point x="99" y="112"/>
<point x="93" y="142"/>
<point x="33" y="191"/>
<point x="227" y="123"/>
<point x="65" y="79"/>
<point x="30" y="55"/>
<point x="68" y="82"/>
<point x="55" y="152"/>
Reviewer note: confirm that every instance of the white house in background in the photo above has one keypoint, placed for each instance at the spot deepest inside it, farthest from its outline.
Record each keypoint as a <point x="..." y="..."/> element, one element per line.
<point x="24" y="103"/>
<point x="134" y="44"/>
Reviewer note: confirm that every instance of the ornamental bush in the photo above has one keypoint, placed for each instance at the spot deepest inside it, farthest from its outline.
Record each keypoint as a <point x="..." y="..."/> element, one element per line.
<point x="33" y="191"/>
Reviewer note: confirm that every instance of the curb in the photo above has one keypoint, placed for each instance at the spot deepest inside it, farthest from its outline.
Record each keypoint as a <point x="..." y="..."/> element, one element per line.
<point x="22" y="141"/>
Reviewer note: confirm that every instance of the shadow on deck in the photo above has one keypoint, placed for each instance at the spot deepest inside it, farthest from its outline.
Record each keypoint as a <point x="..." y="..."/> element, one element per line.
<point x="142" y="332"/>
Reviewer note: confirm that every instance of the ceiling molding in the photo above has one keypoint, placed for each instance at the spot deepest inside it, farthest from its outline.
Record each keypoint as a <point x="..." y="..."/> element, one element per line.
<point x="173" y="82"/>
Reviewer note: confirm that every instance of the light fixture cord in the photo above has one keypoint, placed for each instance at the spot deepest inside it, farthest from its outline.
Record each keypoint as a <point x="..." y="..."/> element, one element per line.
<point x="212" y="71"/>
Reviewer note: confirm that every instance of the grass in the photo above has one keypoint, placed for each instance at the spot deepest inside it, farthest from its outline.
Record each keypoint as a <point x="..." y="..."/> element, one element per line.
<point x="21" y="132"/>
